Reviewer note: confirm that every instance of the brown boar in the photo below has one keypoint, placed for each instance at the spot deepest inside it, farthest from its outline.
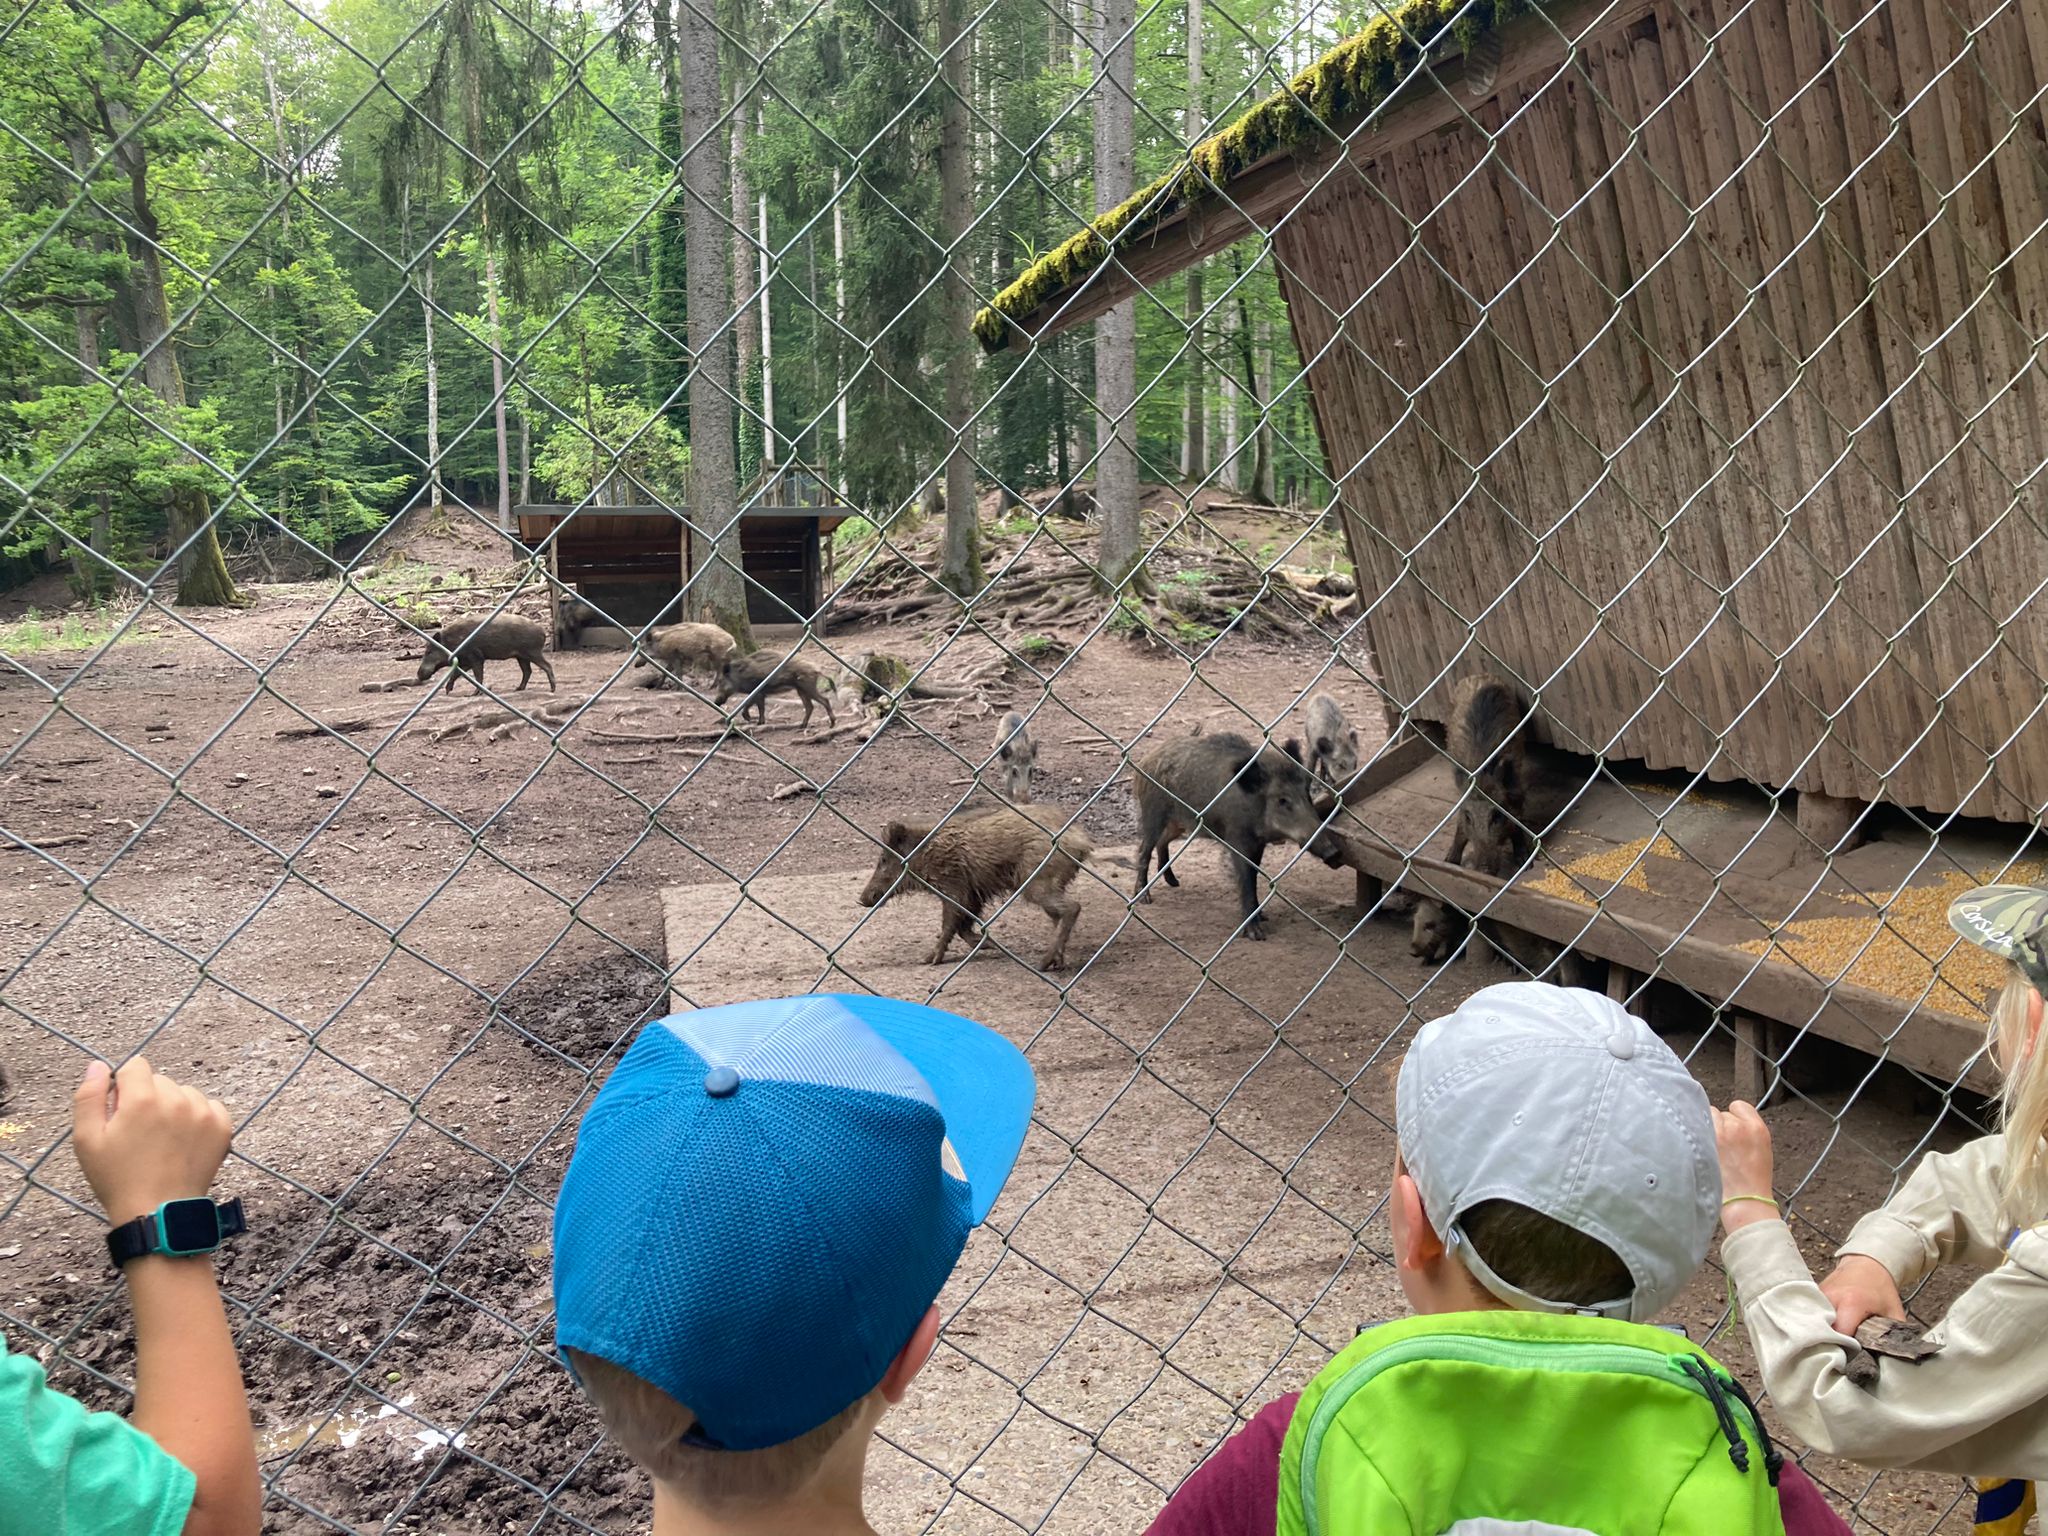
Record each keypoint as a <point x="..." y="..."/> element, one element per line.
<point x="682" y="649"/>
<point x="1244" y="797"/>
<point x="969" y="862"/>
<point x="757" y="676"/>
<point x="469" y="642"/>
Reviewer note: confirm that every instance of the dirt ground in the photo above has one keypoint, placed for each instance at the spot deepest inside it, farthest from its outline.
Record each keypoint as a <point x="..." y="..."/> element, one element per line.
<point x="406" y="962"/>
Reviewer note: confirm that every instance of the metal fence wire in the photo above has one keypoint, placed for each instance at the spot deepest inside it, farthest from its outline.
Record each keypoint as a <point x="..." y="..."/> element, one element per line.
<point x="1162" y="373"/>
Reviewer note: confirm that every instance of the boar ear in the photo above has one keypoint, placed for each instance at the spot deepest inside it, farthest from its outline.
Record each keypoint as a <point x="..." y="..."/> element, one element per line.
<point x="1292" y="748"/>
<point x="1325" y="747"/>
<point x="1252" y="777"/>
<point x="898" y="837"/>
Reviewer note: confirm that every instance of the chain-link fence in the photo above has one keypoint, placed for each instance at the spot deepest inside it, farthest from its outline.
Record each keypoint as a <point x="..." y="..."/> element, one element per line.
<point x="1676" y="366"/>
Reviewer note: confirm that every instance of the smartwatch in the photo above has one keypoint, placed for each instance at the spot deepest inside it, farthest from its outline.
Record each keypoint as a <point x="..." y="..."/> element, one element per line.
<point x="182" y="1229"/>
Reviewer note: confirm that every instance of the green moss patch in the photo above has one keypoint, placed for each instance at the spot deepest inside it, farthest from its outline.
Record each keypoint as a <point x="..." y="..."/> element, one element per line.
<point x="1338" y="90"/>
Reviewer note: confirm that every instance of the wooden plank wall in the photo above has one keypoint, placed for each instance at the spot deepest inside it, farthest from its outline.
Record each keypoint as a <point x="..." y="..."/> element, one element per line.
<point x="1698" y="387"/>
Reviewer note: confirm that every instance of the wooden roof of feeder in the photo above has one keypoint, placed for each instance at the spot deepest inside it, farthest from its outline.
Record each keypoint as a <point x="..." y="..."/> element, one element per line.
<point x="1412" y="70"/>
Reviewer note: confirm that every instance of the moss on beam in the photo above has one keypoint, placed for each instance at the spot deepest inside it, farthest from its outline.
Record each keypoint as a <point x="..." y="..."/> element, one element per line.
<point x="1343" y="87"/>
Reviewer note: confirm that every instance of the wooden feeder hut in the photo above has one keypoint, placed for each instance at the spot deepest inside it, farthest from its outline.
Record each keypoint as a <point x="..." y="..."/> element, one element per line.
<point x="632" y="561"/>
<point x="1679" y="359"/>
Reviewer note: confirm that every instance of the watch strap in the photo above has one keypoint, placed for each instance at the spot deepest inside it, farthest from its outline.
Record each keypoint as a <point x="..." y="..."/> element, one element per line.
<point x="142" y="1236"/>
<point x="132" y="1239"/>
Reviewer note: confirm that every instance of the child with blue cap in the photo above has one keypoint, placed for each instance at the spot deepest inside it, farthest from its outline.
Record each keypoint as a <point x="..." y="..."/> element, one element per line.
<point x="764" y="1203"/>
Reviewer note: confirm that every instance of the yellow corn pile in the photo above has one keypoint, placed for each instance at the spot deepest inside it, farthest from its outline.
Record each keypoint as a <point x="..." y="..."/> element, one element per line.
<point x="1895" y="950"/>
<point x="1590" y="876"/>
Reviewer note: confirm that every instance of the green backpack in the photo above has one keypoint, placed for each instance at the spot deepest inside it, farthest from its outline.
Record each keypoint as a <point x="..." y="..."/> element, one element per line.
<point x="1483" y="1422"/>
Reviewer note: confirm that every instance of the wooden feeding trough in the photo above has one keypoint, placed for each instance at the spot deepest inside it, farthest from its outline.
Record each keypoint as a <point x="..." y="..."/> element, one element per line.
<point x="633" y="561"/>
<point x="1718" y="891"/>
<point x="1675" y="358"/>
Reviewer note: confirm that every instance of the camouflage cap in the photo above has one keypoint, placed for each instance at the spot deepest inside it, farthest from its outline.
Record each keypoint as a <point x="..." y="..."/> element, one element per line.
<point x="2008" y="920"/>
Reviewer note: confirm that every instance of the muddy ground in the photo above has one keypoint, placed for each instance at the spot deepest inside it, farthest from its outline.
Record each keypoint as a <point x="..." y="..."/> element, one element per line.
<point x="405" y="963"/>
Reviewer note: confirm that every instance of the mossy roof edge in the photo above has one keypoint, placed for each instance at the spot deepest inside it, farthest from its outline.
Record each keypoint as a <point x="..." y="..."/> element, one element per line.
<point x="1346" y="84"/>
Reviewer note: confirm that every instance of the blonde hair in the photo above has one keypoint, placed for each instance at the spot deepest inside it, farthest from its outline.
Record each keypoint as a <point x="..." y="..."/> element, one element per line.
<point x="649" y="1426"/>
<point x="2022" y="1100"/>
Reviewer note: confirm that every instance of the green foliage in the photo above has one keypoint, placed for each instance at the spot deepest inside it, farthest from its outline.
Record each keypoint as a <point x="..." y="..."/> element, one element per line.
<point x="852" y="536"/>
<point x="312" y="177"/>
<point x="620" y="437"/>
<point x="75" y="630"/>
<point x="76" y="442"/>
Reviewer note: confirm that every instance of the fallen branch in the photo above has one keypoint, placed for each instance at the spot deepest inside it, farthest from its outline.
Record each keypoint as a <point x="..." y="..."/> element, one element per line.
<point x="355" y="725"/>
<point x="791" y="791"/>
<point x="38" y="844"/>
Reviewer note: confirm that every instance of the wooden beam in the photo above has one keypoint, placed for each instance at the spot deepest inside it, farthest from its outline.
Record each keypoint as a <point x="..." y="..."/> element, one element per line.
<point x="1268" y="190"/>
<point x="1869" y="1021"/>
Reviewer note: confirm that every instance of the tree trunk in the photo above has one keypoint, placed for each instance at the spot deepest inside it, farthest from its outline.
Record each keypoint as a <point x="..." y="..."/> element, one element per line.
<point x="1194" y="451"/>
<point x="1259" y="484"/>
<point x="839" y="328"/>
<point x="203" y="580"/>
<point x="1064" y="504"/>
<point x="1116" y="333"/>
<point x="91" y="577"/>
<point x="768" y="448"/>
<point x="717" y="578"/>
<point x="525" y="446"/>
<point x="1262" y="461"/>
<point x="816" y="370"/>
<point x="746" y="331"/>
<point x="437" y="495"/>
<point x="960" y="563"/>
<point x="497" y="339"/>
<point x="1233" y="394"/>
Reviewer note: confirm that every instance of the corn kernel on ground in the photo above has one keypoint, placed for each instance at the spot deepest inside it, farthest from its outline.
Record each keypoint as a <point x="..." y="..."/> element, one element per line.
<point x="1585" y="879"/>
<point x="1895" y="949"/>
<point x="1898" y="949"/>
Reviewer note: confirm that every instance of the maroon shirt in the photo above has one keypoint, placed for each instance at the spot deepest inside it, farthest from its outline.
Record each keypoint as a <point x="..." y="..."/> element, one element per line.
<point x="1236" y="1492"/>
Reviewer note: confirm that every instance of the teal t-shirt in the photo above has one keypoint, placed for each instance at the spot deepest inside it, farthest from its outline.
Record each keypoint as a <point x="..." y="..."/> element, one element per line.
<point x="67" y="1472"/>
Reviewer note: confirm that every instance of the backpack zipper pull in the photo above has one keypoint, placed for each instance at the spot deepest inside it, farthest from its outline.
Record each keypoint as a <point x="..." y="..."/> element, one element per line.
<point x="1710" y="1383"/>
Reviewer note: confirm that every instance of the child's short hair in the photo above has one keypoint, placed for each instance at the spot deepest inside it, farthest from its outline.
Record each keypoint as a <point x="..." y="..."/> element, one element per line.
<point x="1541" y="1255"/>
<point x="649" y="1426"/>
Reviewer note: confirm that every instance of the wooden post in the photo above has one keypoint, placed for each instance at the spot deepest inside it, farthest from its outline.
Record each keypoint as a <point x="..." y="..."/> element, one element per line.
<point x="1756" y="1049"/>
<point x="1830" y="823"/>
<point x="1370" y="892"/>
<point x="1626" y="988"/>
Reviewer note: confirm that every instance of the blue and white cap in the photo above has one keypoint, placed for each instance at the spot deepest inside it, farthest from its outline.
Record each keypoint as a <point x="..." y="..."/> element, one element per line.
<point x="765" y="1198"/>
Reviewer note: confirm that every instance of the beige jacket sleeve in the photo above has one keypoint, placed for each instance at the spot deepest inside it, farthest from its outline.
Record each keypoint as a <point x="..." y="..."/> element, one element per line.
<point x="1979" y="1408"/>
<point x="1945" y="1213"/>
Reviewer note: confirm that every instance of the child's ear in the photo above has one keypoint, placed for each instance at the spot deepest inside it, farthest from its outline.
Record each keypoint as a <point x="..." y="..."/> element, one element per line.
<point x="911" y="1358"/>
<point x="1417" y="1244"/>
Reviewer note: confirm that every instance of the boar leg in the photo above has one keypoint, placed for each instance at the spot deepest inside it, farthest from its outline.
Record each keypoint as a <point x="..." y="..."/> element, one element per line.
<point x="1064" y="910"/>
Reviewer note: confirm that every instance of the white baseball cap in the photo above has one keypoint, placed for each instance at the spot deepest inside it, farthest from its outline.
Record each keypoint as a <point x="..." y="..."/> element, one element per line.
<point x="1562" y="1101"/>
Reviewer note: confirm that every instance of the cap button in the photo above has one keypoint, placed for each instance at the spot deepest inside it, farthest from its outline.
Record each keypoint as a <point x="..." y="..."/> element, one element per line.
<point x="1621" y="1045"/>
<point x="721" y="1082"/>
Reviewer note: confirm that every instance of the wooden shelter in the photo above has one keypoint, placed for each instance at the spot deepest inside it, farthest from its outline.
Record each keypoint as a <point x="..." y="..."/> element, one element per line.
<point x="632" y="561"/>
<point x="1680" y="358"/>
